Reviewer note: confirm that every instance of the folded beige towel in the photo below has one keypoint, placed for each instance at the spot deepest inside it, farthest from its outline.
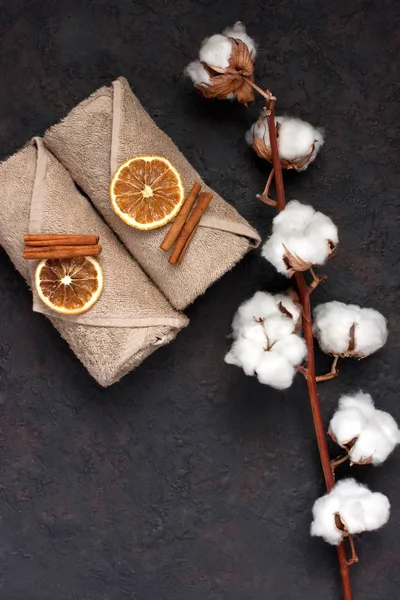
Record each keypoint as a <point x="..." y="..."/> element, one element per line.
<point x="100" y="134"/>
<point x="131" y="318"/>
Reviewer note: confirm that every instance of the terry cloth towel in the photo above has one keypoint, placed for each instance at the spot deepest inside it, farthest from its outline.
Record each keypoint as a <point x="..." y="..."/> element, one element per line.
<point x="132" y="318"/>
<point x="106" y="130"/>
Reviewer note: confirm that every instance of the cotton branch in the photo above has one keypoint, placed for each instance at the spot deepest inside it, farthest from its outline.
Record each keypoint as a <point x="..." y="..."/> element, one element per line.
<point x="304" y="296"/>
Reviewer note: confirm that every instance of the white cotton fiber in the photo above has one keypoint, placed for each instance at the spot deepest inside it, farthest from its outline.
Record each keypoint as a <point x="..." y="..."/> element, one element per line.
<point x="294" y="219"/>
<point x="374" y="433"/>
<point x="332" y="323"/>
<point x="296" y="139"/>
<point x="293" y="348"/>
<point x="198" y="73"/>
<point x="360" y="401"/>
<point x="246" y="354"/>
<point x="265" y="343"/>
<point x="275" y="370"/>
<point x="277" y="328"/>
<point x="323" y="524"/>
<point x="304" y="232"/>
<point x="238" y="31"/>
<point x="262" y="306"/>
<point x="359" y="509"/>
<point x="216" y="51"/>
<point x="371" y="331"/>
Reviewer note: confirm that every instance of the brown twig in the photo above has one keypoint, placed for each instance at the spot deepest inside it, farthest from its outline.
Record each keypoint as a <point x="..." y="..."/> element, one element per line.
<point x="316" y="280"/>
<point x="338" y="461"/>
<point x="354" y="558"/>
<point x="264" y="196"/>
<point x="304" y="296"/>
<point x="265" y="93"/>
<point x="334" y="372"/>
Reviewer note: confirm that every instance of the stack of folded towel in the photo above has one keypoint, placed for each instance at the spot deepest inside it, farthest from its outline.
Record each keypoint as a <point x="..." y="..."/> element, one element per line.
<point x="138" y="310"/>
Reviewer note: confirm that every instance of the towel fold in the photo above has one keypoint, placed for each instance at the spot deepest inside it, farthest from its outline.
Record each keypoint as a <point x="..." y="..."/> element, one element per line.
<point x="131" y="318"/>
<point x="103" y="132"/>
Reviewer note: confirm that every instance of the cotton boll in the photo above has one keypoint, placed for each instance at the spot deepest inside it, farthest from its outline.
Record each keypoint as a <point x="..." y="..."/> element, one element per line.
<point x="216" y="51"/>
<point x="197" y="73"/>
<point x="245" y="354"/>
<point x="293" y="348"/>
<point x="374" y="433"/>
<point x="302" y="232"/>
<point x="359" y="510"/>
<point x="371" y="331"/>
<point x="332" y="324"/>
<point x="275" y="370"/>
<point x="298" y="141"/>
<point x="334" y="320"/>
<point x="264" y="341"/>
<point x="377" y="439"/>
<point x="238" y="31"/>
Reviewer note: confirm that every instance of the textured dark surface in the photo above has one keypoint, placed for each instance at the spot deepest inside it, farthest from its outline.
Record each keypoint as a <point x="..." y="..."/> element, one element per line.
<point x="188" y="480"/>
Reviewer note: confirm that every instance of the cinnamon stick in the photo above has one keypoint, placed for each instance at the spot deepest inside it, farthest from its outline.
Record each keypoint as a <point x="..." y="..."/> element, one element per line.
<point x="179" y="222"/>
<point x="190" y="225"/>
<point x="60" y="251"/>
<point x="186" y="246"/>
<point x="56" y="239"/>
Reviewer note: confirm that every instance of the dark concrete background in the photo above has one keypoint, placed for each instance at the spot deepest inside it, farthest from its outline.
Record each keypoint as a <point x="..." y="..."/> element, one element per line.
<point x="188" y="480"/>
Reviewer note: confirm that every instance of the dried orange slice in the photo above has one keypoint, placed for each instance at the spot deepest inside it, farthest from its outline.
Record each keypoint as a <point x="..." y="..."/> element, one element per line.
<point x="69" y="285"/>
<point x="147" y="192"/>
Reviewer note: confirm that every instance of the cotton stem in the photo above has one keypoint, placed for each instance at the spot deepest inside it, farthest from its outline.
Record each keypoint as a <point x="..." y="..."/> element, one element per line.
<point x="264" y="196"/>
<point x="354" y="558"/>
<point x="316" y="280"/>
<point x="334" y="372"/>
<point x="304" y="296"/>
<point x="338" y="461"/>
<point x="265" y="93"/>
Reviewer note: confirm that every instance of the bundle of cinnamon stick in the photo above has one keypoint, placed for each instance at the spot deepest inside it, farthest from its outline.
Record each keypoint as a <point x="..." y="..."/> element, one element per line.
<point x="48" y="245"/>
<point x="185" y="225"/>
